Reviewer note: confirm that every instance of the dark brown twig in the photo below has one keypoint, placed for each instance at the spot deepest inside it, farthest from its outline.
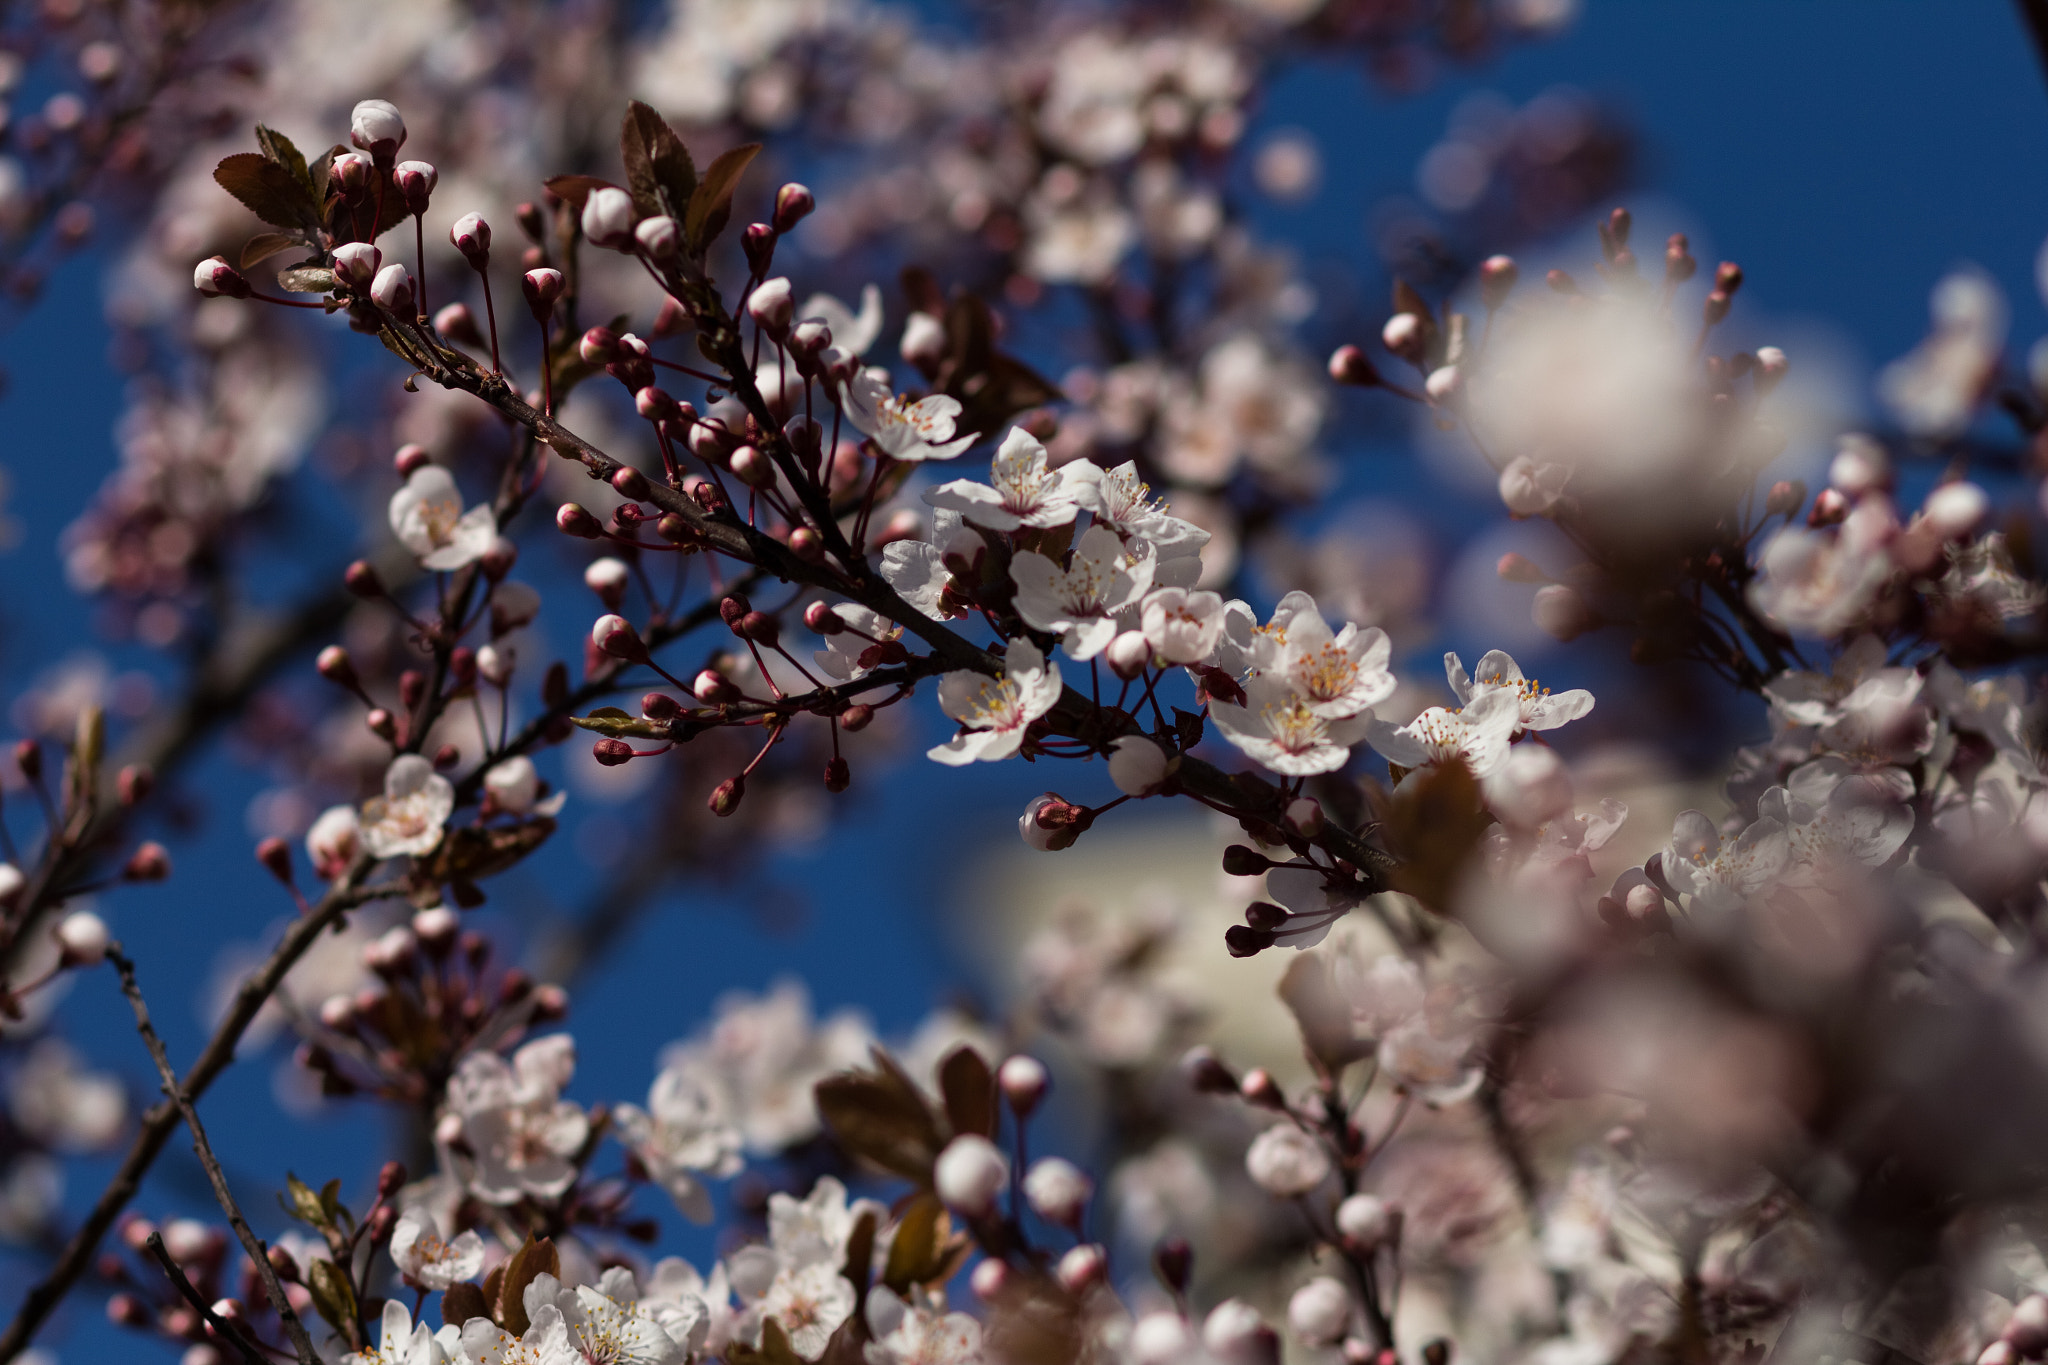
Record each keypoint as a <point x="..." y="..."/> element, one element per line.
<point x="221" y="1328"/>
<point x="259" y="1254"/>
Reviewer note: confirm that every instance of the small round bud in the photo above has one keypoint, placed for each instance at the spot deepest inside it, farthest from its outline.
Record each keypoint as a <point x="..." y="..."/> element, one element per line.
<point x="82" y="939"/>
<point x="1445" y="385"/>
<point x="1235" y="1333"/>
<point x="1786" y="497"/>
<point x="771" y="305"/>
<point x="356" y="264"/>
<point x="807" y="545"/>
<point x="125" y="1310"/>
<point x="660" y="706"/>
<point x="1205" y="1073"/>
<point x="1057" y="1190"/>
<point x="759" y="627"/>
<point x="757" y="241"/>
<point x="410" y="459"/>
<point x="1320" y="1312"/>
<point x="471" y="236"/>
<point x="856" y="717"/>
<point x="598" y="346"/>
<point x="1024" y="1081"/>
<point x="1082" y="1269"/>
<point x="1956" y="509"/>
<point x="149" y="863"/>
<point x="436" y="928"/>
<point x="1679" y="265"/>
<point x="1305" y="816"/>
<point x="1259" y="1088"/>
<point x="608" y="217"/>
<point x="353" y="172"/>
<point x="753" y="468"/>
<point x="989" y="1279"/>
<point x="276" y="856"/>
<point x="1365" y="1219"/>
<point x="1161" y="1338"/>
<point x="612" y="752"/>
<point x="375" y="126"/>
<point x="727" y="795"/>
<point x="2027" y="1329"/>
<point x="969" y="1174"/>
<point x="571" y="519"/>
<point x="659" y="237"/>
<point x="134" y="783"/>
<point x="1349" y="365"/>
<point x="215" y="278"/>
<point x="1285" y="1161"/>
<point x="1407" y="337"/>
<point x="793" y="204"/>
<point x="1137" y="766"/>
<point x="1129" y="655"/>
<point x="608" y="578"/>
<point x="1497" y="277"/>
<point x="390" y="1179"/>
<point x="392" y="289"/>
<point x="1561" y="612"/>
<point x="416" y="181"/>
<point x="335" y="665"/>
<point x="1829" y="508"/>
<point x="541" y="287"/>
<point x="615" y="635"/>
<point x="838" y="776"/>
<point x="924" y="342"/>
<point x="821" y="618"/>
<point x="713" y="688"/>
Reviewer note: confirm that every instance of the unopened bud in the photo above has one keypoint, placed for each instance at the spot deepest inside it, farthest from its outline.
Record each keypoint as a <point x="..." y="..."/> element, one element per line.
<point x="660" y="706"/>
<point x="1205" y="1073"/>
<point x="1829" y="508"/>
<point x="726" y="797"/>
<point x="1679" y="265"/>
<point x="1497" y="277"/>
<point x="1350" y="365"/>
<point x="376" y="127"/>
<point x="822" y="619"/>
<point x="608" y="217"/>
<point x="1561" y="612"/>
<point x="1174" y="1260"/>
<point x="392" y="290"/>
<point x="1786" y="497"/>
<point x="1519" y="568"/>
<point x="753" y="468"/>
<point x="771" y="306"/>
<point x="759" y="627"/>
<point x="989" y="1280"/>
<point x="1024" y="1081"/>
<point x="659" y="237"/>
<point x="134" y="783"/>
<point x="612" y="752"/>
<point x="215" y="278"/>
<point x="1260" y="1089"/>
<point x="807" y="545"/>
<point x="571" y="519"/>
<point x="82" y="936"/>
<point x="757" y="242"/>
<point x="615" y="635"/>
<point x="356" y="264"/>
<point x="149" y="863"/>
<point x="1082" y="1269"/>
<point x="793" y="204"/>
<point x="1129" y="655"/>
<point x="1407" y="337"/>
<point x="382" y="724"/>
<point x="856" y="717"/>
<point x="608" y="578"/>
<point x="276" y="854"/>
<point x="541" y="287"/>
<point x="1305" y="816"/>
<point x="362" y="580"/>
<point x="713" y="688"/>
<point x="471" y="236"/>
<point x="838" y="776"/>
<point x="416" y="181"/>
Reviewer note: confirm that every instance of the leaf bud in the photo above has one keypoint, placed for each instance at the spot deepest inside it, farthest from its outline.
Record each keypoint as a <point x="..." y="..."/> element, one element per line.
<point x="793" y="204"/>
<point x="571" y="519"/>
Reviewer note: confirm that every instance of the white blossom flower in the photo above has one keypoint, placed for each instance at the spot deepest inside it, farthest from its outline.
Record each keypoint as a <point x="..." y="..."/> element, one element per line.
<point x="1541" y="709"/>
<point x="401" y="1342"/>
<point x="1822" y="582"/>
<point x="909" y="431"/>
<point x="1287" y="1162"/>
<point x="1478" y="734"/>
<point x="1023" y="489"/>
<point x="928" y="1338"/>
<point x="55" y="1100"/>
<point x="810" y="1302"/>
<point x="1123" y="502"/>
<point x="852" y="332"/>
<point x="1831" y="821"/>
<point x="1280" y="728"/>
<point x="520" y="1132"/>
<point x="1719" y="873"/>
<point x="427" y="517"/>
<point x="1182" y="625"/>
<point x="545" y="1342"/>
<point x="1082" y="600"/>
<point x="1338" y="674"/>
<point x="996" y="710"/>
<point x="428" y="1258"/>
<point x="766" y="1053"/>
<point x="408" y="817"/>
<point x="604" y="1322"/>
<point x="686" y="1131"/>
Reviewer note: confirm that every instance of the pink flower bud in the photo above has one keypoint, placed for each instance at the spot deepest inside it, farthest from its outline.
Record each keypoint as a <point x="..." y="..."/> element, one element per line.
<point x="615" y="636"/>
<point x="771" y="306"/>
<point x="599" y="346"/>
<point x="276" y="856"/>
<point x="494" y="664"/>
<point x="1058" y="1191"/>
<point x="541" y="287"/>
<point x="458" y="324"/>
<point x="807" y="340"/>
<point x="356" y="264"/>
<point x="149" y="863"/>
<point x="713" y="688"/>
<point x="1956" y="509"/>
<point x="335" y="666"/>
<point x="416" y="181"/>
<point x="727" y="795"/>
<point x="214" y="277"/>
<point x="989" y="1279"/>
<point x="608" y="578"/>
<point x="608" y="217"/>
<point x="1051" y="823"/>
<point x="659" y="237"/>
<point x="2027" y="1328"/>
<point x="793" y="204"/>
<point x="1365" y="1219"/>
<point x="353" y="172"/>
<point x="1497" y="278"/>
<point x="392" y="289"/>
<point x="572" y="520"/>
<point x="1444" y="385"/>
<point x="1349" y="365"/>
<point x="1082" y="1269"/>
<point x="1024" y="1081"/>
<point x="1406" y="337"/>
<point x="758" y="243"/>
<point x="838" y="776"/>
<point x="1320" y="1312"/>
<point x="82" y="939"/>
<point x="821" y="618"/>
<point x="807" y="545"/>
<point x="1860" y="467"/>
<point x="654" y="403"/>
<point x="1561" y="612"/>
<point x="1519" y="568"/>
<point x="969" y="1174"/>
<point x="375" y="126"/>
<point x="1128" y="655"/>
<point x="471" y="236"/>
<point x="856" y="717"/>
<point x="753" y="468"/>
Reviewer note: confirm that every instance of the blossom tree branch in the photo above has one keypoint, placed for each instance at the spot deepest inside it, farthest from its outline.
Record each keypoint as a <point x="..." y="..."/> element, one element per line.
<point x="259" y="1254"/>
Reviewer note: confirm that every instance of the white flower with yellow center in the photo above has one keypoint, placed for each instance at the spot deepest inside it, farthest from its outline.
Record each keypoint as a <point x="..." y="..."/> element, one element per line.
<point x="1023" y="489"/>
<point x="996" y="710"/>
<point x="402" y="1342"/>
<point x="427" y="517"/>
<point x="429" y="1259"/>
<point x="1477" y="734"/>
<point x="1340" y="673"/>
<point x="1541" y="709"/>
<point x="1722" y="873"/>
<point x="1082" y="600"/>
<point x="408" y="817"/>
<point x="906" y="430"/>
<point x="1281" y="729"/>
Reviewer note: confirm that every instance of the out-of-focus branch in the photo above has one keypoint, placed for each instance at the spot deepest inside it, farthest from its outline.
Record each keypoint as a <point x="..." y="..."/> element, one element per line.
<point x="2034" y="14"/>
<point x="44" y="1296"/>
<point x="259" y="1255"/>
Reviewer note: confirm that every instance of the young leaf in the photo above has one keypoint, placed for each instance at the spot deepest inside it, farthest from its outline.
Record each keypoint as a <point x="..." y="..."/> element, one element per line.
<point x="278" y="148"/>
<point x="268" y="190"/>
<point x="576" y="188"/>
<point x="332" y="1295"/>
<point x="881" y="1116"/>
<point x="264" y="245"/>
<point x="970" y="1091"/>
<point x="304" y="1205"/>
<point x="711" y="202"/>
<point x="527" y="1264"/>
<point x="461" y="1302"/>
<point x="659" y="171"/>
<point x="919" y="1244"/>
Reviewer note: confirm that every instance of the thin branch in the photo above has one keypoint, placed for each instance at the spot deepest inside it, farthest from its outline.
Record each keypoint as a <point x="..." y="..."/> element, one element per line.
<point x="259" y="1254"/>
<point x="157" y="1124"/>
<point x="221" y="1328"/>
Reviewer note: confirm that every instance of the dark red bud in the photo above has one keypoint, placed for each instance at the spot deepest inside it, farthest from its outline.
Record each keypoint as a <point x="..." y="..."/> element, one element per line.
<point x="612" y="752"/>
<point x="276" y="854"/>
<point x="363" y="580"/>
<point x="838" y="777"/>
<point x="725" y="799"/>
